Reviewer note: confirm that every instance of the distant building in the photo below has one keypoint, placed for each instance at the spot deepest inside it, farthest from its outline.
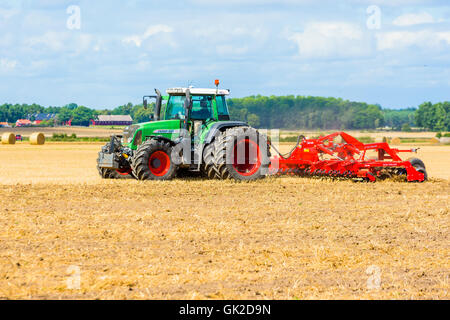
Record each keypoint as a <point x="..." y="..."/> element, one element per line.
<point x="4" y="125"/>
<point x="23" y="123"/>
<point x="113" y="120"/>
<point x="37" y="118"/>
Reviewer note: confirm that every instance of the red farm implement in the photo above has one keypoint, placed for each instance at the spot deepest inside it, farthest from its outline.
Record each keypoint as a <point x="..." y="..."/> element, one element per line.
<point x="340" y="155"/>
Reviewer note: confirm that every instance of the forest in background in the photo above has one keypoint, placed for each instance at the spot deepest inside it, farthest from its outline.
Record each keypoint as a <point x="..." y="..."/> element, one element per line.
<point x="283" y="112"/>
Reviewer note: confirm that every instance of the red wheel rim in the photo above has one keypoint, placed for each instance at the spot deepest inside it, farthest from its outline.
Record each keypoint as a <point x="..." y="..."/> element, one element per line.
<point x="124" y="172"/>
<point x="159" y="163"/>
<point x="246" y="157"/>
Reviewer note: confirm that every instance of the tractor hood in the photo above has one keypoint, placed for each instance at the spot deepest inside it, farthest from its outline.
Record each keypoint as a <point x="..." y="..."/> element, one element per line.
<point x="166" y="128"/>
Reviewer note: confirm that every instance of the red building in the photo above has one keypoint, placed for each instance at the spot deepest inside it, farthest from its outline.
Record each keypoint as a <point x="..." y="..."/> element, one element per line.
<point x="23" y="123"/>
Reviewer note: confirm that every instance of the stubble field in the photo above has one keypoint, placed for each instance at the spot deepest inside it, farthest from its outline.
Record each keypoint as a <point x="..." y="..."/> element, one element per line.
<point x="281" y="238"/>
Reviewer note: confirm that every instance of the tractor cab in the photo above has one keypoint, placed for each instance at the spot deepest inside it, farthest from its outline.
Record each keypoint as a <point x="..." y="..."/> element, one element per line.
<point x="183" y="111"/>
<point x="205" y="105"/>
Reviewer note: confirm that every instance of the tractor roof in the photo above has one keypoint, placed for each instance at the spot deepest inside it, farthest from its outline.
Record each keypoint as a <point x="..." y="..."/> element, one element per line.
<point x="198" y="91"/>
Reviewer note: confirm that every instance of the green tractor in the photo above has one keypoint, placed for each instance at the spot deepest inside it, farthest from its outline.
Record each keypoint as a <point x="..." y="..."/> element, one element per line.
<point x="190" y="130"/>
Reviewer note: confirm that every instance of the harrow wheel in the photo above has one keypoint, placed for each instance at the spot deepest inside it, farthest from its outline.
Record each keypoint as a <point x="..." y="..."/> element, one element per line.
<point x="419" y="166"/>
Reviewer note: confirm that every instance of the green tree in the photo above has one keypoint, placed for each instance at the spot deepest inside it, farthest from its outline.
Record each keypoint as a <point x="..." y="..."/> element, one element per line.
<point x="141" y="115"/>
<point x="65" y="114"/>
<point x="82" y="116"/>
<point x="253" y="120"/>
<point x="123" y="110"/>
<point x="406" y="127"/>
<point x="433" y="116"/>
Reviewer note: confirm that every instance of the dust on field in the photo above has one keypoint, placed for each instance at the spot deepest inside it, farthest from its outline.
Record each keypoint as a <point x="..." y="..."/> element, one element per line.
<point x="281" y="238"/>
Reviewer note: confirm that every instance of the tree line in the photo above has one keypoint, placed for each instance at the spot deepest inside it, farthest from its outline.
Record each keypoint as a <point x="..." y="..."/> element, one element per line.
<point x="300" y="112"/>
<point x="286" y="112"/>
<point x="80" y="115"/>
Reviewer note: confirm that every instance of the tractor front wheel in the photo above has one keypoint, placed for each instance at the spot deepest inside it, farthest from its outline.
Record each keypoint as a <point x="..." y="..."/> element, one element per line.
<point x="152" y="161"/>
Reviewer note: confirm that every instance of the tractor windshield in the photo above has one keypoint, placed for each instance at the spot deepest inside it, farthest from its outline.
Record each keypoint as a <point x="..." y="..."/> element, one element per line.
<point x="202" y="107"/>
<point x="175" y="107"/>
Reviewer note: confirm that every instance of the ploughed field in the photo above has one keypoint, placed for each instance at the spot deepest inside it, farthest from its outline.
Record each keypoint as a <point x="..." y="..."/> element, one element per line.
<point x="283" y="237"/>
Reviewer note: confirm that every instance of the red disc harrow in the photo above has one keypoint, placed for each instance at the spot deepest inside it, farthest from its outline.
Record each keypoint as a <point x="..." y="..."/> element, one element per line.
<point x="340" y="155"/>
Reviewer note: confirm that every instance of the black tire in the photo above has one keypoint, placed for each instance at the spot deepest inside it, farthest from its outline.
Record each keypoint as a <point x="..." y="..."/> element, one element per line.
<point x="419" y="166"/>
<point x="161" y="167"/>
<point x="109" y="173"/>
<point x="225" y="164"/>
<point x="416" y="162"/>
<point x="208" y="162"/>
<point x="422" y="170"/>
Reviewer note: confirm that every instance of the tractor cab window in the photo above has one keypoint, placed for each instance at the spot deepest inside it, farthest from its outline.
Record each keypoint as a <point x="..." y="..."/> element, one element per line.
<point x="202" y="108"/>
<point x="175" y="108"/>
<point x="222" y="109"/>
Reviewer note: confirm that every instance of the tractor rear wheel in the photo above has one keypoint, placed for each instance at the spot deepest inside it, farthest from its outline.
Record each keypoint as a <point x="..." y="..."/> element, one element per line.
<point x="240" y="153"/>
<point x="152" y="161"/>
<point x="208" y="162"/>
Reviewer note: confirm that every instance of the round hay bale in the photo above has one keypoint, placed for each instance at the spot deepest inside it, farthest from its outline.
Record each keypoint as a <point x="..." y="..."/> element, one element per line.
<point x="8" y="138"/>
<point x="396" y="141"/>
<point x="37" y="138"/>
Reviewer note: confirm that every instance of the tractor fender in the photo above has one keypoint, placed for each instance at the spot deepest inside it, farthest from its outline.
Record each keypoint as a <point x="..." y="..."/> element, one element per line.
<point x="220" y="126"/>
<point x="160" y="138"/>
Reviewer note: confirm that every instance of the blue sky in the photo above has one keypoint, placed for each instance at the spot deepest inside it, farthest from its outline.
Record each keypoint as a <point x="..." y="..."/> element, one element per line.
<point x="392" y="52"/>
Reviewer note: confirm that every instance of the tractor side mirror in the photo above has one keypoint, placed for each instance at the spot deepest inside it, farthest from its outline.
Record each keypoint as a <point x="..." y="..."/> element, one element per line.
<point x="145" y="104"/>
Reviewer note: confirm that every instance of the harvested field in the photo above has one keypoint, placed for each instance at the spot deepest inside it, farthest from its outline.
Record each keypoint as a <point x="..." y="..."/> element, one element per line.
<point x="281" y="238"/>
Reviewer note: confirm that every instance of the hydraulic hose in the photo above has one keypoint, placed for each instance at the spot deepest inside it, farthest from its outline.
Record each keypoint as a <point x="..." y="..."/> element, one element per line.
<point x="288" y="155"/>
